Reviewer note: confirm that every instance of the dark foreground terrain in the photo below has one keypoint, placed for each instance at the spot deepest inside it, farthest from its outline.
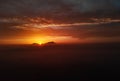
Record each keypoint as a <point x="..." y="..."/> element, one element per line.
<point x="98" y="62"/>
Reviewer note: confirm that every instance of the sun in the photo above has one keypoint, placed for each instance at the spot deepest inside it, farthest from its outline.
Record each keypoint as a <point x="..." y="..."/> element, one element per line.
<point x="40" y="43"/>
<point x="39" y="40"/>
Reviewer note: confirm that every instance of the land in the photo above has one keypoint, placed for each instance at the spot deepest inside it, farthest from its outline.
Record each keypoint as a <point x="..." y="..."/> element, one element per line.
<point x="73" y="61"/>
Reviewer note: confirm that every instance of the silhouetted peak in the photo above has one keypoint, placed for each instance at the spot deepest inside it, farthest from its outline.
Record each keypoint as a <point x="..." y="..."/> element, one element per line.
<point x="50" y="43"/>
<point x="35" y="44"/>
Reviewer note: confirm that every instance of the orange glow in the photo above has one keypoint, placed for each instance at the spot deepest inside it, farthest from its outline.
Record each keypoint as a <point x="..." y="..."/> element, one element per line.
<point x="39" y="40"/>
<point x="42" y="40"/>
<point x="41" y="30"/>
<point x="57" y="39"/>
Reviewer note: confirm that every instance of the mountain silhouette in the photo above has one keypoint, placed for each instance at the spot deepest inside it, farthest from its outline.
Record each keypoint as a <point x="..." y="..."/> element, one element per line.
<point x="45" y="44"/>
<point x="50" y="43"/>
<point x="35" y="44"/>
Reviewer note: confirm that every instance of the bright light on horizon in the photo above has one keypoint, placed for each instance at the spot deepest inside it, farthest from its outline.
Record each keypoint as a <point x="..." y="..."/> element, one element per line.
<point x="42" y="40"/>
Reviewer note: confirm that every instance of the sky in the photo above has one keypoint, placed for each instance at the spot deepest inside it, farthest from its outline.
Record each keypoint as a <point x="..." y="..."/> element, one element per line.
<point x="63" y="21"/>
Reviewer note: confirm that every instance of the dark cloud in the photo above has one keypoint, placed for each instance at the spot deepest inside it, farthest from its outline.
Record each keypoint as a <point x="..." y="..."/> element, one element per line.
<point x="93" y="5"/>
<point x="107" y="30"/>
<point x="56" y="8"/>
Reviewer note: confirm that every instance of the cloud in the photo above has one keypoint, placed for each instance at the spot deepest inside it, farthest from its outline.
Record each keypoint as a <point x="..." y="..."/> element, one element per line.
<point x="55" y="9"/>
<point x="82" y="19"/>
<point x="28" y="7"/>
<point x="107" y="30"/>
<point x="97" y="28"/>
<point x="93" y="5"/>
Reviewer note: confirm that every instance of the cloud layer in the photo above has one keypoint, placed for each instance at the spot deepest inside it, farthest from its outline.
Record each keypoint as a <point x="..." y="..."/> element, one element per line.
<point x="83" y="19"/>
<point x="55" y="7"/>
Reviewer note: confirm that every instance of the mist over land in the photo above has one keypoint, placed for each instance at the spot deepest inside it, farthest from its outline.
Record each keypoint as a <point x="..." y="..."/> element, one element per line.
<point x="75" y="61"/>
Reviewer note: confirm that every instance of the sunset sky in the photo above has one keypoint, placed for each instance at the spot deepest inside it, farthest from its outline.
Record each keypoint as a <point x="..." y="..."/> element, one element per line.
<point x="62" y="21"/>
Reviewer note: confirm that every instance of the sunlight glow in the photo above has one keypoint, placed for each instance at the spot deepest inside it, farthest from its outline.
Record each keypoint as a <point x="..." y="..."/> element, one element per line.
<point x="40" y="41"/>
<point x="56" y="39"/>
